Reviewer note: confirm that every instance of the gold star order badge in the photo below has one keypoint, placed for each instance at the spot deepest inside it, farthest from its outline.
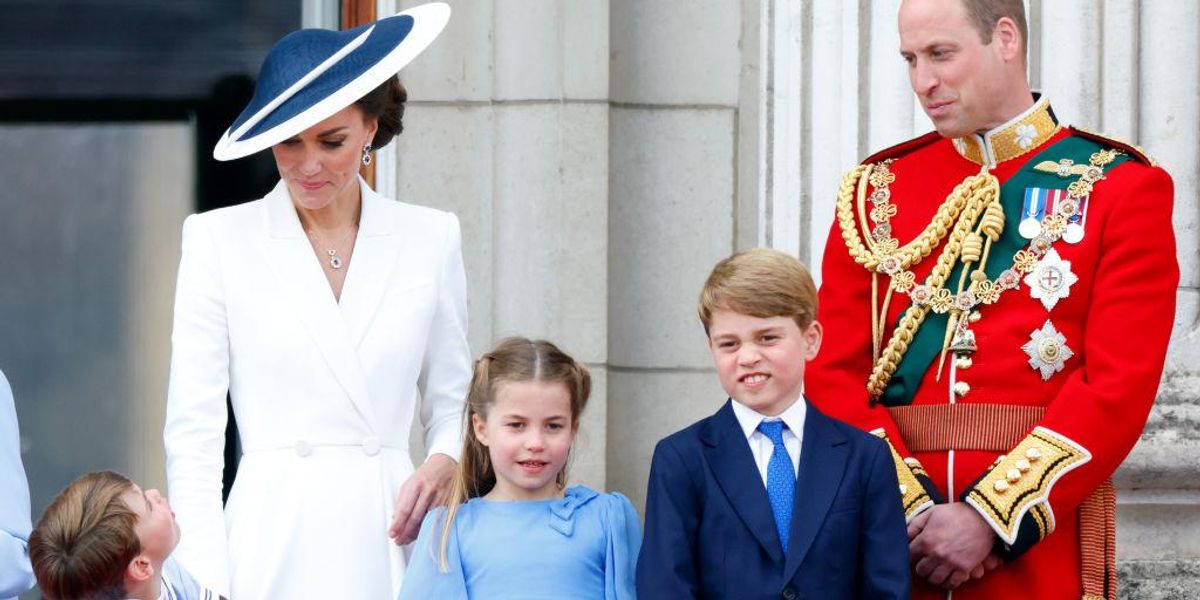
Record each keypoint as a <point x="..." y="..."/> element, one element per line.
<point x="1047" y="350"/>
<point x="1051" y="279"/>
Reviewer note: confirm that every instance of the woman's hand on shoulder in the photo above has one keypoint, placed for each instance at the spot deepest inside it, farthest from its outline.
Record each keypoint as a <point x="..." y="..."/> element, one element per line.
<point x="426" y="488"/>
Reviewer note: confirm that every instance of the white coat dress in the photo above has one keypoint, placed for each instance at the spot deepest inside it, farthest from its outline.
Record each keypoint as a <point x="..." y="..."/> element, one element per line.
<point x="324" y="393"/>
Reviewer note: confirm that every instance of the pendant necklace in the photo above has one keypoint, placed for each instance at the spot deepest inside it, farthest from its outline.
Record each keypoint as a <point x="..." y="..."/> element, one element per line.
<point x="335" y="261"/>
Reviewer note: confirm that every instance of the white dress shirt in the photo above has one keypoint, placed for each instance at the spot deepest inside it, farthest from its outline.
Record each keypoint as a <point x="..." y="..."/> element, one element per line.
<point x="760" y="445"/>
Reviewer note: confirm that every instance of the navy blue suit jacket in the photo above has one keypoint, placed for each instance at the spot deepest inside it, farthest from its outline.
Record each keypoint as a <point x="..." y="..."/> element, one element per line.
<point x="710" y="532"/>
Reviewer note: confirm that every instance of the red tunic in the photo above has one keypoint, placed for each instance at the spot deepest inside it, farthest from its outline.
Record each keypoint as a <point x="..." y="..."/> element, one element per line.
<point x="1116" y="319"/>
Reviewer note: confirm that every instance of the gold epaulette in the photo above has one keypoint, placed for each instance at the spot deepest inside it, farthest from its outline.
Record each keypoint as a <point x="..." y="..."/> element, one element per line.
<point x="902" y="148"/>
<point x="1130" y="148"/>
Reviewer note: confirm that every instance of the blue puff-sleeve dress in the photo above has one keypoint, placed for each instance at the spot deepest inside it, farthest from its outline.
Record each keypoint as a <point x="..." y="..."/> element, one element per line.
<point x="581" y="546"/>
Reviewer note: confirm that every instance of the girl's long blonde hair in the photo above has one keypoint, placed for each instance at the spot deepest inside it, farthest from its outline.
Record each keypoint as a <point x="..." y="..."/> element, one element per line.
<point x="513" y="359"/>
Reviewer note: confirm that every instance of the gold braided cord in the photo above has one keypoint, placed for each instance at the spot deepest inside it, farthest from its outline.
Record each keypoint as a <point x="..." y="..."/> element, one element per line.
<point x="846" y="219"/>
<point x="921" y="246"/>
<point x="876" y="326"/>
<point x="992" y="223"/>
<point x="972" y="249"/>
<point x="983" y="189"/>
<point x="862" y="213"/>
<point x="977" y="198"/>
<point x="854" y="186"/>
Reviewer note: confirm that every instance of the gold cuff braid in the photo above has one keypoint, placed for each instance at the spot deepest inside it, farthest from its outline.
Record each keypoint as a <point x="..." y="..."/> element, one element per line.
<point x="913" y="496"/>
<point x="1019" y="482"/>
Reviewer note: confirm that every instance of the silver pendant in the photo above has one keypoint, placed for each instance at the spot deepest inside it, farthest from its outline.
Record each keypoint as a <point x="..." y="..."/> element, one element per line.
<point x="1047" y="350"/>
<point x="1051" y="279"/>
<point x="335" y="262"/>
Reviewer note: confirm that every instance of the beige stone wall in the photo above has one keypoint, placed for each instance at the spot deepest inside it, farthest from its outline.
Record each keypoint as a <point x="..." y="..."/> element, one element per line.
<point x="508" y="127"/>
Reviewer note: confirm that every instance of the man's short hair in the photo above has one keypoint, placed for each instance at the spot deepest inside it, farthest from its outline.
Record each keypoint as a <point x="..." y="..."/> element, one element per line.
<point x="85" y="540"/>
<point x="760" y="282"/>
<point x="984" y="14"/>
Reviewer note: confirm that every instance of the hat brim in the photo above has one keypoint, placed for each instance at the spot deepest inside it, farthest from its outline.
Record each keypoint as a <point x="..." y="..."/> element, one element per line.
<point x="251" y="136"/>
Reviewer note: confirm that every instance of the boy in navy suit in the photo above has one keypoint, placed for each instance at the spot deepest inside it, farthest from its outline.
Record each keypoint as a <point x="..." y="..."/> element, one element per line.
<point x="769" y="498"/>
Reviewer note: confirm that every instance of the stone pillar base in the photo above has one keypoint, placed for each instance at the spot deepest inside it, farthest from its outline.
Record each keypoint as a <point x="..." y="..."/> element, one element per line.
<point x="1158" y="579"/>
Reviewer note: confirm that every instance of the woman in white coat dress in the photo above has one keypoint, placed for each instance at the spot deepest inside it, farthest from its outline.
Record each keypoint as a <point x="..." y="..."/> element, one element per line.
<point x="332" y="316"/>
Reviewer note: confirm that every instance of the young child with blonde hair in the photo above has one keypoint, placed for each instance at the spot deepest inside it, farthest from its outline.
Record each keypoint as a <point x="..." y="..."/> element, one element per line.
<point x="768" y="497"/>
<point x="512" y="528"/>
<point x="104" y="538"/>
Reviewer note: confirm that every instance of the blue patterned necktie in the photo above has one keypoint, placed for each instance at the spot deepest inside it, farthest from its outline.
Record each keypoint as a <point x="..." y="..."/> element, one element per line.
<point x="781" y="479"/>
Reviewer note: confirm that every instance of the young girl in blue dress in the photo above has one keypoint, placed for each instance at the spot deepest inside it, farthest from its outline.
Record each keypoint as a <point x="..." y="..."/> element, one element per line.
<point x="511" y="527"/>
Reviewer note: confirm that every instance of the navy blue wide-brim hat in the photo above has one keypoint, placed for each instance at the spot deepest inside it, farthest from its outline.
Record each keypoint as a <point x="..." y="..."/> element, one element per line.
<point x="311" y="74"/>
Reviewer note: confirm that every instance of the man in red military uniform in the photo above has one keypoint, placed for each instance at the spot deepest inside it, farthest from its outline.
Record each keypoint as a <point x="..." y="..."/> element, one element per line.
<point x="997" y="301"/>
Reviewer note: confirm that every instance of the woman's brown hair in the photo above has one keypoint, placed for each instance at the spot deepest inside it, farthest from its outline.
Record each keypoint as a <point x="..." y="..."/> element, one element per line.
<point x="85" y="540"/>
<point x="513" y="359"/>
<point x="385" y="103"/>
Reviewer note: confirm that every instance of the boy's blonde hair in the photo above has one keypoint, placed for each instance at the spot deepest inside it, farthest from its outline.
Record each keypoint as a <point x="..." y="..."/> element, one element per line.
<point x="760" y="282"/>
<point x="85" y="540"/>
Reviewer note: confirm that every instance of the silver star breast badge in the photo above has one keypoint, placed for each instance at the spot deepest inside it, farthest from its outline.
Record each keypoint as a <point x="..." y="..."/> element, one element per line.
<point x="1047" y="350"/>
<point x="1051" y="279"/>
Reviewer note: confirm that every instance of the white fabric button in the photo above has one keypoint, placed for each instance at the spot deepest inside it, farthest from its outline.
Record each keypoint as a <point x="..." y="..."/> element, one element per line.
<point x="370" y="445"/>
<point x="303" y="449"/>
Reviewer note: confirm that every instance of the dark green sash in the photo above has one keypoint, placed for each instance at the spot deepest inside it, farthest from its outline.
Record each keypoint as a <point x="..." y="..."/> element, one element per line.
<point x="926" y="345"/>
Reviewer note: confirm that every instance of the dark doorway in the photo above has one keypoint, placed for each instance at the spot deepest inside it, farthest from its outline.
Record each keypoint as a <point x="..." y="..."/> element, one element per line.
<point x="109" y="110"/>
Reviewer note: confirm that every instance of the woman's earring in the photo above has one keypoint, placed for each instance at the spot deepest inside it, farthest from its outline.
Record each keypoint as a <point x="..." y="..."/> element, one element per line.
<point x="366" y="159"/>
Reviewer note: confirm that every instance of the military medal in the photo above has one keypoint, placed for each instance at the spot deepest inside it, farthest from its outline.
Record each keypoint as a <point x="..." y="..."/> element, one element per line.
<point x="1051" y="279"/>
<point x="1047" y="350"/>
<point x="1076" y="209"/>
<point x="1031" y="213"/>
<point x="1076" y="214"/>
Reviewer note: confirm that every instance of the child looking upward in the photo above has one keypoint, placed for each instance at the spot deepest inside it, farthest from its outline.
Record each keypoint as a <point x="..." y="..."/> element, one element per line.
<point x="512" y="529"/>
<point x="104" y="538"/>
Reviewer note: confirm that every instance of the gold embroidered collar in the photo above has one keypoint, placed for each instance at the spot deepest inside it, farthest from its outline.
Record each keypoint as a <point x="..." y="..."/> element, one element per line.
<point x="1023" y="133"/>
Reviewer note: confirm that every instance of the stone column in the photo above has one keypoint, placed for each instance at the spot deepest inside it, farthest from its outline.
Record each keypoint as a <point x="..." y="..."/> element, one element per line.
<point x="507" y="127"/>
<point x="673" y="152"/>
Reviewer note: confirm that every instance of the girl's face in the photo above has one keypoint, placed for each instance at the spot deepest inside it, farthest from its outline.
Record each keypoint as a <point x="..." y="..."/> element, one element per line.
<point x="528" y="432"/>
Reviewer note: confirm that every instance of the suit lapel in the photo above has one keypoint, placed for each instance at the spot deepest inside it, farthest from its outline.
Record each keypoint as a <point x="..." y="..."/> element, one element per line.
<point x="822" y="467"/>
<point x="372" y="265"/>
<point x="733" y="465"/>
<point x="305" y="290"/>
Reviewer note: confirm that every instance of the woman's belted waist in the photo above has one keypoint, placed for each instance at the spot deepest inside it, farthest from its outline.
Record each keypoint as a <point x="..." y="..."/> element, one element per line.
<point x="370" y="445"/>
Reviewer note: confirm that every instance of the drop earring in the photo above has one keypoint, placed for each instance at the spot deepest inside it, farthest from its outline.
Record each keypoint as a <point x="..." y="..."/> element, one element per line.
<point x="366" y="158"/>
